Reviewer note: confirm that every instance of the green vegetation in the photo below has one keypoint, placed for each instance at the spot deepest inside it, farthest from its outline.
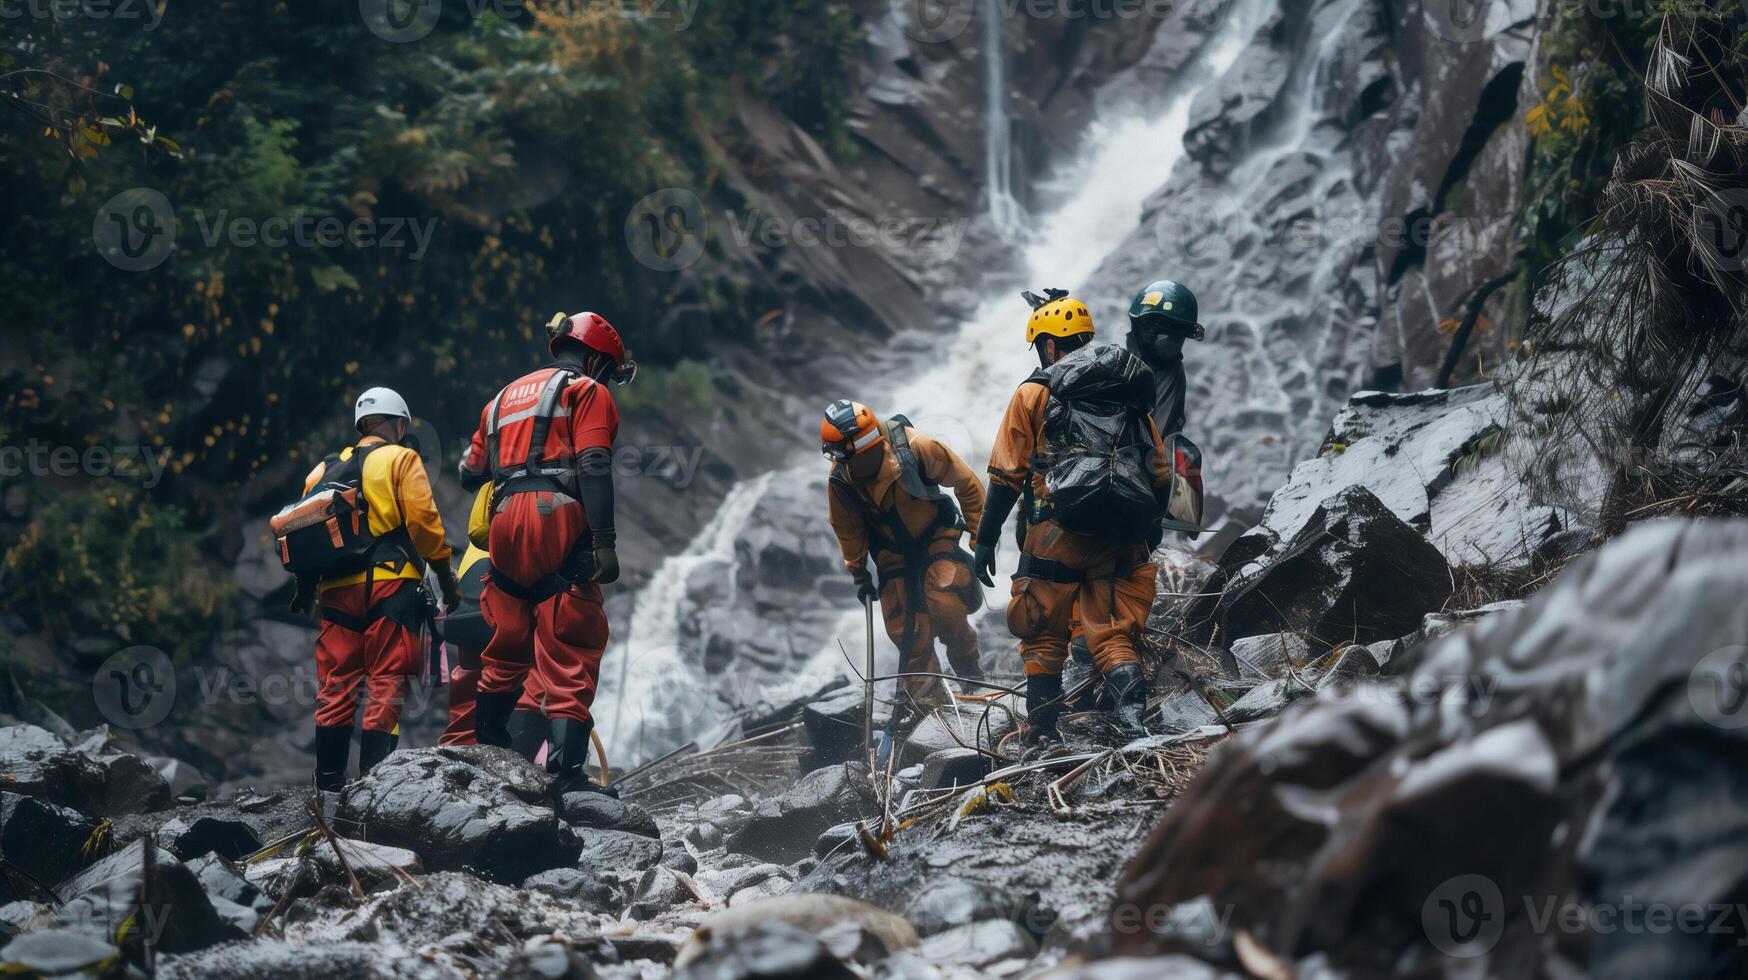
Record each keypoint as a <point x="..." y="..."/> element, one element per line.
<point x="502" y="153"/>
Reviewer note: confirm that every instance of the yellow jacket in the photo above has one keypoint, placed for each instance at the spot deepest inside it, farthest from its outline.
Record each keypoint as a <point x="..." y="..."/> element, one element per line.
<point x="479" y="522"/>
<point x="399" y="495"/>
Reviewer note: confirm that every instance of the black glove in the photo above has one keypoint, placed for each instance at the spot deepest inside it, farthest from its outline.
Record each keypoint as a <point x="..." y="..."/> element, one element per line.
<point x="866" y="590"/>
<point x="606" y="566"/>
<point x="446" y="582"/>
<point x="984" y="564"/>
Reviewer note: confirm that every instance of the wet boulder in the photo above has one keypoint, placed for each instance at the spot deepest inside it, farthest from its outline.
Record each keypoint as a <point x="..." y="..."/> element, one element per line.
<point x="598" y="811"/>
<point x="952" y="903"/>
<point x="1354" y="572"/>
<point x="848" y="929"/>
<point x="771" y="951"/>
<point x="981" y="944"/>
<point x="954" y="767"/>
<point x="617" y="852"/>
<point x="783" y="829"/>
<point x="59" y="953"/>
<point x="228" y="837"/>
<point x="179" y="914"/>
<point x="834" y="728"/>
<point x="983" y="726"/>
<point x="41" y="839"/>
<point x="478" y="807"/>
<point x="90" y="775"/>
<point x="376" y="866"/>
<point x="593" y="893"/>
<point x="1600" y="726"/>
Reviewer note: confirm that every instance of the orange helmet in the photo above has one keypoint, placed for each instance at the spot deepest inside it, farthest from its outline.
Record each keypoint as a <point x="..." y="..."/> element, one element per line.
<point x="848" y="429"/>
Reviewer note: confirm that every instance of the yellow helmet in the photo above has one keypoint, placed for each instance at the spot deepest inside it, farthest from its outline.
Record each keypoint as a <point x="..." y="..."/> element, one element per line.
<point x="1065" y="317"/>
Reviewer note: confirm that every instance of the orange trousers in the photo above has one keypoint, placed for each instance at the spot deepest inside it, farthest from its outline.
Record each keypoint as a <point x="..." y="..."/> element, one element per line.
<point x="942" y="612"/>
<point x="1113" y="597"/>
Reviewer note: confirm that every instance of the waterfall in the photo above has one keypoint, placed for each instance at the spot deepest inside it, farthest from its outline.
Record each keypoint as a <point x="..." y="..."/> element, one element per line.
<point x="656" y="696"/>
<point x="1004" y="210"/>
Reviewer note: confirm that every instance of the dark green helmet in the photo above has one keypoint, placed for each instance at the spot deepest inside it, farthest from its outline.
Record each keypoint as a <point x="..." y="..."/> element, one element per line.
<point x="1165" y="300"/>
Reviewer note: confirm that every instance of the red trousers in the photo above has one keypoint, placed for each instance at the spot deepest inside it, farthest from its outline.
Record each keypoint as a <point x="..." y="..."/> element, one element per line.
<point x="379" y="661"/>
<point x="554" y="647"/>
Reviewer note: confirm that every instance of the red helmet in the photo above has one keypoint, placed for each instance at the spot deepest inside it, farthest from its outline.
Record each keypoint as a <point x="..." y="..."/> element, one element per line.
<point x="589" y="329"/>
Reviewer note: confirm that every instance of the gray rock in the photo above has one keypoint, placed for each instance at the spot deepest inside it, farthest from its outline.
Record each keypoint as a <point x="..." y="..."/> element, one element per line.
<point x="981" y="944"/>
<point x="834" y="728"/>
<point x="103" y="896"/>
<point x="783" y="829"/>
<point x="221" y="879"/>
<point x="549" y="958"/>
<point x="836" y="840"/>
<point x="42" y="839"/>
<point x="599" y="811"/>
<point x="589" y="891"/>
<point x="1186" y="711"/>
<point x="90" y="775"/>
<point x="773" y="951"/>
<point x="1268" y="653"/>
<point x="954" y="767"/>
<point x="227" y="837"/>
<point x="59" y="953"/>
<point x="24" y="916"/>
<point x="615" y="851"/>
<point x="1604" y="703"/>
<point x="677" y="856"/>
<point x="951" y="902"/>
<point x="659" y="890"/>
<point x="376" y="866"/>
<point x="478" y="807"/>
<point x="954" y="729"/>
<point x="1354" y="572"/>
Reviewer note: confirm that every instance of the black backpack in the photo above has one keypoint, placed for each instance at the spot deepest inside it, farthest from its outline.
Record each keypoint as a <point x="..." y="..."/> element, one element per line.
<point x="327" y="533"/>
<point x="1097" y="452"/>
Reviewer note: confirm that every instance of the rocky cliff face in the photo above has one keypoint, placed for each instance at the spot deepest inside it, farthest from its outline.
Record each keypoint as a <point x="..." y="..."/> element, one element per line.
<point x="1351" y="175"/>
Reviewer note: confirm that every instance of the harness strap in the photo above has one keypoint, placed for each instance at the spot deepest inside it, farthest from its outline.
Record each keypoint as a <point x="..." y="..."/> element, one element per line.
<point x="406" y="607"/>
<point x="1031" y="566"/>
<point x="578" y="568"/>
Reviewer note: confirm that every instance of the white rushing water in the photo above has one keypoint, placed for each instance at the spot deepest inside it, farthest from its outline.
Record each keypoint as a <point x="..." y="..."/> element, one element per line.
<point x="1004" y="210"/>
<point x="646" y="679"/>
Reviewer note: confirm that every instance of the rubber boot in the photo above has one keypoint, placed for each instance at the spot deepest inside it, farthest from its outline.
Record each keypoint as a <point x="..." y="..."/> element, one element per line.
<point x="1043" y="708"/>
<point x="567" y="752"/>
<point x="373" y="747"/>
<point x="1128" y="687"/>
<point x="491" y="716"/>
<point x="333" y="746"/>
<point x="527" y="732"/>
<point x="1082" y="655"/>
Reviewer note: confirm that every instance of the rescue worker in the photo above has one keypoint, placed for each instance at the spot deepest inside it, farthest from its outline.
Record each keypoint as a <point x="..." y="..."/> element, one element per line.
<point x="370" y="642"/>
<point x="1111" y="576"/>
<point x="1161" y="317"/>
<point x="465" y="627"/>
<point x="546" y="444"/>
<point x="885" y="499"/>
<point x="469" y="632"/>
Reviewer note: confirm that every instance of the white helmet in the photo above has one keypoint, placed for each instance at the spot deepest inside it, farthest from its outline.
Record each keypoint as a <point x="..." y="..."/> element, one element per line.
<point x="379" y="401"/>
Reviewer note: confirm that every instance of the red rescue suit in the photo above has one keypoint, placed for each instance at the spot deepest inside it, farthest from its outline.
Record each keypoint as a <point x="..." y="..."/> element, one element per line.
<point x="529" y="439"/>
